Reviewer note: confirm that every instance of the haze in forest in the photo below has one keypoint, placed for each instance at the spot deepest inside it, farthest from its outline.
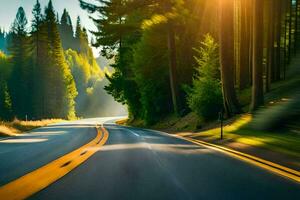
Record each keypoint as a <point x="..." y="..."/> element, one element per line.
<point x="48" y="67"/>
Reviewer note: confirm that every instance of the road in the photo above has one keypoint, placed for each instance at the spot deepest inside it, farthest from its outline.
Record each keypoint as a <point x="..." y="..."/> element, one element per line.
<point x="138" y="164"/>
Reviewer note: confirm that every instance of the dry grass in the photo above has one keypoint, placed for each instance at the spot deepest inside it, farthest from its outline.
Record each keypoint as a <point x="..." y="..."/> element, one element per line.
<point x="122" y="121"/>
<point x="18" y="126"/>
<point x="6" y="130"/>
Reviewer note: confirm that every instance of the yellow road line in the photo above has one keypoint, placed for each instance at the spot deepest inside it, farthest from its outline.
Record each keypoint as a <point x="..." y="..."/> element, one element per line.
<point x="270" y="166"/>
<point x="39" y="179"/>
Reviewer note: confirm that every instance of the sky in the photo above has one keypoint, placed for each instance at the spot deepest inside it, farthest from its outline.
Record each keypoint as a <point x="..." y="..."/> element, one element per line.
<point x="8" y="10"/>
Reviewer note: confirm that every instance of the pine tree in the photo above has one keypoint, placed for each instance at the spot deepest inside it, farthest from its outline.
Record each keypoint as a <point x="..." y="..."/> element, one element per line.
<point x="81" y="40"/>
<point x="78" y="35"/>
<point x="61" y="89"/>
<point x="40" y="57"/>
<point x="5" y="99"/>
<point x="2" y="40"/>
<point x="19" y="83"/>
<point x="66" y="31"/>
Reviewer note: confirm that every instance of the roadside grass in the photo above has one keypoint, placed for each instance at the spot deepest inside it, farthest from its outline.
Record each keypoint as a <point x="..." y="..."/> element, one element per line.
<point x="281" y="141"/>
<point x="17" y="126"/>
<point x="122" y="121"/>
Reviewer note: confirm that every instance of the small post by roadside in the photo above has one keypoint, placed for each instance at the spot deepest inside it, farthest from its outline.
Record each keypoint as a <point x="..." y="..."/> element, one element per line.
<point x="221" y="113"/>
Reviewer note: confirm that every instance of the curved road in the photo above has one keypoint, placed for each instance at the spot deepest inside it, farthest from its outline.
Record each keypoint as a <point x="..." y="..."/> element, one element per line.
<point x="138" y="164"/>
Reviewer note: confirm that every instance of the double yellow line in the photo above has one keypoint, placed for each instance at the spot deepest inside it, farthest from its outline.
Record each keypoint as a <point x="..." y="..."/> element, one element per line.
<point x="39" y="179"/>
<point x="270" y="166"/>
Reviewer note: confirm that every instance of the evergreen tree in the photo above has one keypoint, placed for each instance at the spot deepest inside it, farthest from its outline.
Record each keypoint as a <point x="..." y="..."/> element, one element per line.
<point x="66" y="31"/>
<point x="82" y="42"/>
<point x="205" y="97"/>
<point x="152" y="77"/>
<point x="39" y="58"/>
<point x="85" y="75"/>
<point x="61" y="89"/>
<point x="78" y="35"/>
<point x="120" y="27"/>
<point x="5" y="99"/>
<point x="19" y="83"/>
<point x="2" y="40"/>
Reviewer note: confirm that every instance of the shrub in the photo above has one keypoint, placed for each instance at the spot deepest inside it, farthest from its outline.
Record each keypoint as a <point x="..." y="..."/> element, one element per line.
<point x="205" y="95"/>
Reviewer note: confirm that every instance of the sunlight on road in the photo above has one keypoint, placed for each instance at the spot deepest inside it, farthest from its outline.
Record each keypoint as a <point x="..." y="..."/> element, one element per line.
<point x="23" y="140"/>
<point x="92" y="121"/>
<point x="174" y="148"/>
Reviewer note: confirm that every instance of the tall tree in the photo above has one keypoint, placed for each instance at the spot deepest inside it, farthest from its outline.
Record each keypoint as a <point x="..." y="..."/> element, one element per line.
<point x="276" y="73"/>
<point x="270" y="44"/>
<point x="231" y="104"/>
<point x="297" y="27"/>
<point x="5" y="99"/>
<point x="78" y="35"/>
<point x="116" y="37"/>
<point x="258" y="35"/>
<point x="19" y="83"/>
<point x="66" y="31"/>
<point x="245" y="44"/>
<point x="173" y="68"/>
<point x="40" y="58"/>
<point x="61" y="89"/>
<point x="2" y="40"/>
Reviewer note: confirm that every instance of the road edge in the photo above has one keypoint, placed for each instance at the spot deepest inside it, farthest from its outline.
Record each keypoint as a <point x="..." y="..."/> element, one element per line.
<point x="275" y="168"/>
<point x="262" y="163"/>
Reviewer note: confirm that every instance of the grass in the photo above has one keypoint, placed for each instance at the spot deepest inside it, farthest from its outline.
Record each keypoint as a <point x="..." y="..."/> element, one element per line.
<point x="17" y="126"/>
<point x="281" y="141"/>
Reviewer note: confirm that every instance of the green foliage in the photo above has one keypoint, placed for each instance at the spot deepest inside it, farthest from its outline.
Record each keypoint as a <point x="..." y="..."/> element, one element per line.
<point x="85" y="75"/>
<point x="40" y="84"/>
<point x="66" y="31"/>
<point x="19" y="82"/>
<point x="59" y="77"/>
<point x="135" y="33"/>
<point x="124" y="90"/>
<point x="2" y="41"/>
<point x="5" y="99"/>
<point x="41" y="80"/>
<point x="205" y="95"/>
<point x="151" y="76"/>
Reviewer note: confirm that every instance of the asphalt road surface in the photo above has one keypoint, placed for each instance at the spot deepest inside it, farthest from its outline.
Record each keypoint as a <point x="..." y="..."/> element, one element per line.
<point x="138" y="164"/>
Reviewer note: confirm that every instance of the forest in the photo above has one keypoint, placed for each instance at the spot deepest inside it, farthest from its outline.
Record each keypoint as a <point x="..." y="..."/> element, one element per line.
<point x="48" y="70"/>
<point x="173" y="57"/>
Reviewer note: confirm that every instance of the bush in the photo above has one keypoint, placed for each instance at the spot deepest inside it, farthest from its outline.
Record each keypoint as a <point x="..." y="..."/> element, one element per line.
<point x="205" y="95"/>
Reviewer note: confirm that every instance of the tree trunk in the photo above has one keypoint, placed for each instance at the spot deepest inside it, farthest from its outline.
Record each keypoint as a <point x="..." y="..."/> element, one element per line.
<point x="257" y="88"/>
<point x="296" y="26"/>
<point x="244" y="45"/>
<point x="251" y="40"/>
<point x="287" y="13"/>
<point x="290" y="32"/>
<point x="285" y="45"/>
<point x="270" y="48"/>
<point x="231" y="104"/>
<point x="172" y="68"/>
<point x="277" y="66"/>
